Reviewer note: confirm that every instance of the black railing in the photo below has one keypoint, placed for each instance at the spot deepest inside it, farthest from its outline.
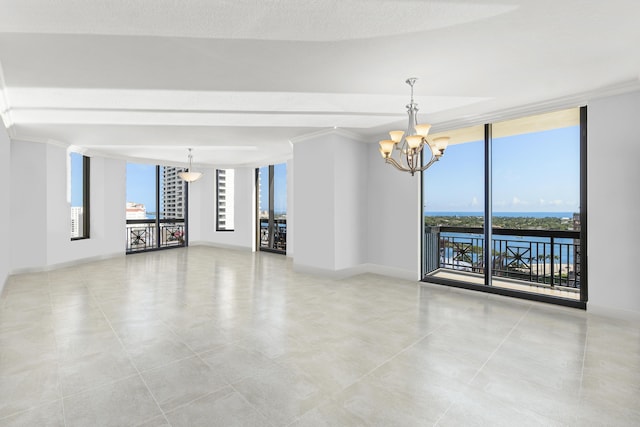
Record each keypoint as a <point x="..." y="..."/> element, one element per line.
<point x="276" y="237"/>
<point x="548" y="257"/>
<point x="147" y="234"/>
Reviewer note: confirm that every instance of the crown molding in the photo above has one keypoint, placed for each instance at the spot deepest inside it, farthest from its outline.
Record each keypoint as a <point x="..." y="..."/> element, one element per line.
<point x="569" y="101"/>
<point x="48" y="141"/>
<point x="5" y="110"/>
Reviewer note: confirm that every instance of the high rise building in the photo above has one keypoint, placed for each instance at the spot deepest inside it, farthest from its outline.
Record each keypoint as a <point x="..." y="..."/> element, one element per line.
<point x="226" y="196"/>
<point x="173" y="187"/>
<point x="77" y="221"/>
<point x="136" y="211"/>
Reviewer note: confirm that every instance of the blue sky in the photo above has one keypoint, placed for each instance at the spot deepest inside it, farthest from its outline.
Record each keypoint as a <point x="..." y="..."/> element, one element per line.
<point x="141" y="185"/>
<point x="280" y="188"/>
<point x="76" y="179"/>
<point x="535" y="172"/>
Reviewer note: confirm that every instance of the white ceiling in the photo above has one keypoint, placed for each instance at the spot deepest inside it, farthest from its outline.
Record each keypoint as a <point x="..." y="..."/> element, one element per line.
<point x="237" y="80"/>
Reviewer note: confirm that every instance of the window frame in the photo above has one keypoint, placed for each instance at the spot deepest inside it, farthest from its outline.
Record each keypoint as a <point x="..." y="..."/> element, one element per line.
<point x="86" y="197"/>
<point x="488" y="227"/>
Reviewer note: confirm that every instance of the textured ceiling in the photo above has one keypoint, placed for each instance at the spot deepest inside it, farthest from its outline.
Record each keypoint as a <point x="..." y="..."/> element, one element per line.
<point x="239" y="79"/>
<point x="289" y="20"/>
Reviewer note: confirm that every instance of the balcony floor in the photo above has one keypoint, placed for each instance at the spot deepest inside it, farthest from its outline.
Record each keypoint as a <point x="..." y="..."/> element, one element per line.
<point x="518" y="285"/>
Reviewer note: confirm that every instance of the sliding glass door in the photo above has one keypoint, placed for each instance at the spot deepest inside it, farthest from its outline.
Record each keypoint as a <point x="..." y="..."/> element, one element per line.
<point x="502" y="209"/>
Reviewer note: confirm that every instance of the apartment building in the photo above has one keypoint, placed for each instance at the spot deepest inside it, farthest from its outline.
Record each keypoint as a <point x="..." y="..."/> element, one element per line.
<point x="173" y="197"/>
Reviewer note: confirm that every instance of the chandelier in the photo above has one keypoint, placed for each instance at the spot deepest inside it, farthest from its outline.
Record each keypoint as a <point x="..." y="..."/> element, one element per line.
<point x="188" y="175"/>
<point x="403" y="150"/>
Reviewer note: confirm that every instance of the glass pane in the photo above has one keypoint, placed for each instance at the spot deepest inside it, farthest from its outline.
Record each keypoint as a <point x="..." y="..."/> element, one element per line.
<point x="77" y="195"/>
<point x="280" y="206"/>
<point x="453" y="197"/>
<point x="172" y="206"/>
<point x="263" y="192"/>
<point x="536" y="204"/>
<point x="172" y="193"/>
<point x="272" y="210"/>
<point x="225" y="196"/>
<point x="141" y="206"/>
<point x="263" y="206"/>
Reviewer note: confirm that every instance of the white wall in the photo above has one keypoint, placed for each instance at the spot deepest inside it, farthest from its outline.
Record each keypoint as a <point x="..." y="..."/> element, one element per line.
<point x="202" y="211"/>
<point x="394" y="219"/>
<point x="353" y="212"/>
<point x="613" y="203"/>
<point x="5" y="197"/>
<point x="28" y="205"/>
<point x="107" y="208"/>
<point x="350" y="198"/>
<point x="314" y="204"/>
<point x="40" y="211"/>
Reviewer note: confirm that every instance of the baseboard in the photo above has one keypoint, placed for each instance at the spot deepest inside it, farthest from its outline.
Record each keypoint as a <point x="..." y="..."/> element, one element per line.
<point x="616" y="313"/>
<point x="398" y="273"/>
<point x="325" y="272"/>
<point x="356" y="270"/>
<point x="219" y="245"/>
<point x="3" y="282"/>
<point x="51" y="267"/>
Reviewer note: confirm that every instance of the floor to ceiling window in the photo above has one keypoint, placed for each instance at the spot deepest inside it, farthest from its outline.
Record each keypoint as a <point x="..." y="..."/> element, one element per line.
<point x="453" y="207"/>
<point x="271" y="182"/>
<point x="79" y="195"/>
<point x="525" y="202"/>
<point x="156" y="210"/>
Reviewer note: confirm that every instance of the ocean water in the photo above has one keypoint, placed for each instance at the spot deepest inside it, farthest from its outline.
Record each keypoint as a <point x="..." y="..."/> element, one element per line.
<point x="505" y="214"/>
<point x="563" y="247"/>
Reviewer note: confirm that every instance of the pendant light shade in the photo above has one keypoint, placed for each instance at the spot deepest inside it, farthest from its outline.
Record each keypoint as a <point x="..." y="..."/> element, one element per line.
<point x="188" y="175"/>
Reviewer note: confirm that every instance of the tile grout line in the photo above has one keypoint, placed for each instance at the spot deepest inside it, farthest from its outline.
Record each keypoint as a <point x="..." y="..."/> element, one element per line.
<point x="251" y="405"/>
<point x="584" y="359"/>
<point x="506" y="337"/>
<point x="64" y="412"/>
<point x="375" y="368"/>
<point x="129" y="357"/>
<point x="198" y="355"/>
<point x="230" y="385"/>
<point x="59" y="386"/>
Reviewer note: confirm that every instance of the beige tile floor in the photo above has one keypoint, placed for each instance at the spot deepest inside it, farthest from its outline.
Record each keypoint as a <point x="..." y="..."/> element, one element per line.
<point x="202" y="336"/>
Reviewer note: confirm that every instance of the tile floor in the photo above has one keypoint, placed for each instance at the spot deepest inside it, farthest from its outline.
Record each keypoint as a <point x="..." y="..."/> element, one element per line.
<point x="210" y="337"/>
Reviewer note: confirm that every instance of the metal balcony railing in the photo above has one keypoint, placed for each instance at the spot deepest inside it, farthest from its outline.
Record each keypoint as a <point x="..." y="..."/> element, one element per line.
<point x="274" y="238"/>
<point x="146" y="234"/>
<point x="547" y="257"/>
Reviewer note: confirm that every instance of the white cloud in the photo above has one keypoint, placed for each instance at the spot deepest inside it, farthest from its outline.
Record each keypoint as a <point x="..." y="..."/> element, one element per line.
<point x="556" y="202"/>
<point x="517" y="202"/>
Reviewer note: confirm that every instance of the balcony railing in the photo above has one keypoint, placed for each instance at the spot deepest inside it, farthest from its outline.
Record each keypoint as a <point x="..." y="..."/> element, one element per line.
<point x="546" y="257"/>
<point x="145" y="234"/>
<point x="277" y="238"/>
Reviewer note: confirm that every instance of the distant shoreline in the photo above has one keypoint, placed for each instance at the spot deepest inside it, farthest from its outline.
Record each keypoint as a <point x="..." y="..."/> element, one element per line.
<point x="505" y="214"/>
